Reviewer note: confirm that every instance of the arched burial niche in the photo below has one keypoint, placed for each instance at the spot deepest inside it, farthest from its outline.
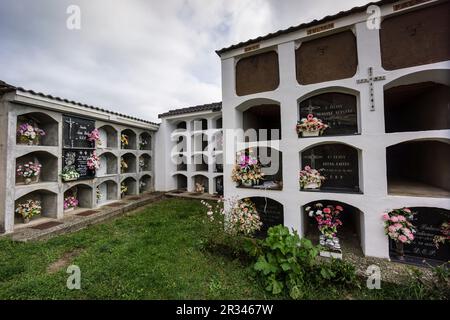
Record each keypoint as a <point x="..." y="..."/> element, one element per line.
<point x="47" y="200"/>
<point x="180" y="161"/>
<point x="415" y="38"/>
<point x="328" y="58"/>
<point x="145" y="163"/>
<point x="218" y="185"/>
<point x="108" y="137"/>
<point x="108" y="164"/>
<point x="128" y="186"/>
<point x="200" y="184"/>
<point x="106" y="192"/>
<point x="424" y="250"/>
<point x="419" y="168"/>
<point x="271" y="213"/>
<point x="145" y="183"/>
<point x="128" y="163"/>
<point x="129" y="136"/>
<point x="418" y="102"/>
<point x="180" y="182"/>
<point x="83" y="195"/>
<point x="39" y="121"/>
<point x="48" y="170"/>
<point x="338" y="163"/>
<point x="201" y="162"/>
<point x="337" y="110"/>
<point x="145" y="141"/>
<point x="199" y="124"/>
<point x="265" y="120"/>
<point x="270" y="162"/>
<point x="257" y="73"/>
<point x="350" y="234"/>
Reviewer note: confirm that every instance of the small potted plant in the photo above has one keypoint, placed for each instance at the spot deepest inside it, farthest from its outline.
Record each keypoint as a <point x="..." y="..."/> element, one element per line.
<point x="29" y="134"/>
<point x="123" y="165"/>
<point x="29" y="172"/>
<point x="94" y="137"/>
<point x="444" y="236"/>
<point x="98" y="194"/>
<point x="310" y="179"/>
<point x="398" y="226"/>
<point x="93" y="162"/>
<point x="29" y="209"/>
<point x="69" y="174"/>
<point x="142" y="143"/>
<point x="247" y="171"/>
<point x="70" y="203"/>
<point x="123" y="190"/>
<point x="123" y="141"/>
<point x="328" y="222"/>
<point x="311" y="126"/>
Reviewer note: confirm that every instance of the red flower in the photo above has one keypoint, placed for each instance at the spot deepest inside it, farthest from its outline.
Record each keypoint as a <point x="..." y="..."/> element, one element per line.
<point x="327" y="210"/>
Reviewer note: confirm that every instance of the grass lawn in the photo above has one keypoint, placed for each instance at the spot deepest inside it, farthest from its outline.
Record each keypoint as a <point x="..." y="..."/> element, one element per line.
<point x="156" y="253"/>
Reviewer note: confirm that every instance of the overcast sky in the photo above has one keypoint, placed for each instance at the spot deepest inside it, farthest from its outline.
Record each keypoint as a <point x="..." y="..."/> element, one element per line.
<point x="137" y="57"/>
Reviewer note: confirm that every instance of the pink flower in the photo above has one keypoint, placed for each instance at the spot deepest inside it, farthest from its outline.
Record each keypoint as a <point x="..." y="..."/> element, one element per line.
<point x="411" y="236"/>
<point x="401" y="218"/>
<point x="327" y="210"/>
<point x="407" y="210"/>
<point x="339" y="208"/>
<point x="402" y="238"/>
<point x="394" y="219"/>
<point x="385" y="217"/>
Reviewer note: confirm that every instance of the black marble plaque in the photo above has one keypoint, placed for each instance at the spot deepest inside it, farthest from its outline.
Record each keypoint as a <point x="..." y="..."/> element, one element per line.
<point x="338" y="163"/>
<point x="338" y="110"/>
<point x="78" y="159"/>
<point x="428" y="222"/>
<point x="270" y="212"/>
<point x="75" y="131"/>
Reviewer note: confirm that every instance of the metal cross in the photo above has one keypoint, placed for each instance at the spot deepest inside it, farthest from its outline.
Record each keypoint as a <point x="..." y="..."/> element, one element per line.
<point x="70" y="122"/>
<point x="313" y="158"/>
<point x="310" y="108"/>
<point x="370" y="81"/>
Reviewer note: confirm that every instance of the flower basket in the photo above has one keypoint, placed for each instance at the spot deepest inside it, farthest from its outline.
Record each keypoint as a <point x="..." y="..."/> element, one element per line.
<point x="247" y="184"/>
<point x="28" y="209"/>
<point x="312" y="186"/>
<point x="29" y="172"/>
<point x="29" y="134"/>
<point x="69" y="174"/>
<point x="310" y="133"/>
<point x="247" y="171"/>
<point x="311" y="126"/>
<point x="310" y="179"/>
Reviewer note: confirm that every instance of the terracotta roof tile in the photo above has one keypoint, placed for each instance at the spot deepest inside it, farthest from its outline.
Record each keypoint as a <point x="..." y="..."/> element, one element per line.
<point x="216" y="106"/>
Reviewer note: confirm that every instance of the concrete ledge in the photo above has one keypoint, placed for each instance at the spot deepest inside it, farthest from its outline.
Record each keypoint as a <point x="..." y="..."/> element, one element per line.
<point x="73" y="223"/>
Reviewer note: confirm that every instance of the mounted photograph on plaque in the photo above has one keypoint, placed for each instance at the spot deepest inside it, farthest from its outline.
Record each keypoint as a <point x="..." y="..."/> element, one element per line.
<point x="337" y="165"/>
<point x="328" y="114"/>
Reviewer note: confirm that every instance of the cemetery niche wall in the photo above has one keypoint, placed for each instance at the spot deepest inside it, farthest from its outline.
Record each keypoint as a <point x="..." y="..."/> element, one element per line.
<point x="425" y="249"/>
<point x="338" y="111"/>
<point x="331" y="57"/>
<point x="337" y="163"/>
<point x="265" y="120"/>
<point x="271" y="213"/>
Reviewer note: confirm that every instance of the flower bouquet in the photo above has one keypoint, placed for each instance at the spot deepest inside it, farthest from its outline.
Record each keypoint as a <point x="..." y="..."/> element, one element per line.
<point x="93" y="162"/>
<point x="69" y="174"/>
<point x="70" y="203"/>
<point x="141" y="164"/>
<point x="310" y="178"/>
<point x="142" y="143"/>
<point x="29" y="134"/>
<point x="123" y="189"/>
<point x="98" y="194"/>
<point x="327" y="219"/>
<point x="311" y="126"/>
<point x="398" y="226"/>
<point x="247" y="171"/>
<point x="94" y="136"/>
<point x="444" y="236"/>
<point x="29" y="171"/>
<point x="29" y="209"/>
<point x="123" y="140"/>
<point x="123" y="165"/>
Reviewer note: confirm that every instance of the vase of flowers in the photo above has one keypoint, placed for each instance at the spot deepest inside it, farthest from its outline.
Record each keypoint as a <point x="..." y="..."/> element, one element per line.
<point x="247" y="171"/>
<point x="141" y="164"/>
<point x="142" y="143"/>
<point x="398" y="226"/>
<point x="123" y="189"/>
<point x="444" y="235"/>
<point x="69" y="173"/>
<point x="29" y="134"/>
<point x="123" y="141"/>
<point x="93" y="162"/>
<point x="94" y="137"/>
<point x="70" y="203"/>
<point x="310" y="178"/>
<point x="311" y="126"/>
<point x="29" y="209"/>
<point x="327" y="219"/>
<point x="123" y="165"/>
<point x="98" y="194"/>
<point x="29" y="172"/>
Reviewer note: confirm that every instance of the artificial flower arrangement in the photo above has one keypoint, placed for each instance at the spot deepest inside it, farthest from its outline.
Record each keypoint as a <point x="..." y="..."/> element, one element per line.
<point x="241" y="216"/>
<point x="98" y="193"/>
<point x="141" y="164"/>
<point x="123" y="189"/>
<point x="398" y="226"/>
<point x="444" y="236"/>
<point x="69" y="173"/>
<point x="142" y="186"/>
<point x="327" y="218"/>
<point x="123" y="165"/>
<point x="94" y="136"/>
<point x="93" y="162"/>
<point x="310" y="178"/>
<point x="142" y="143"/>
<point x="70" y="203"/>
<point x="123" y="140"/>
<point x="29" y="209"/>
<point x="29" y="134"/>
<point x="311" y="126"/>
<point x="29" y="171"/>
<point x="247" y="171"/>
